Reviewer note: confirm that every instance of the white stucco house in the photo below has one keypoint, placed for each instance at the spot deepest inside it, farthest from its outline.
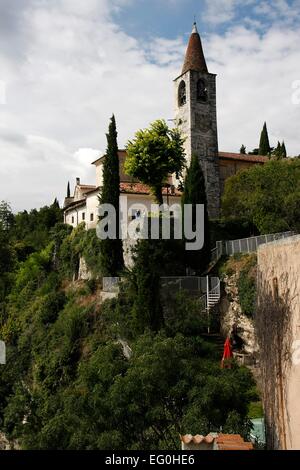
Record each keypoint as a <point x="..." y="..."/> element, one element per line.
<point x="135" y="197"/>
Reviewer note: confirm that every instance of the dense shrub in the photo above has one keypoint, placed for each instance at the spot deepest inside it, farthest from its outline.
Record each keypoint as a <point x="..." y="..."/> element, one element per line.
<point x="110" y="376"/>
<point x="267" y="196"/>
<point x="247" y="288"/>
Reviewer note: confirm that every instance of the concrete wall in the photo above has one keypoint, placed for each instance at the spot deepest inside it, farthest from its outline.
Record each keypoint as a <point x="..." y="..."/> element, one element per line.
<point x="278" y="329"/>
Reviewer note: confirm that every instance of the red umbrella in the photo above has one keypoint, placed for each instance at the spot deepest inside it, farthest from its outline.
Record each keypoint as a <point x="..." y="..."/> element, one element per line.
<point x="227" y="354"/>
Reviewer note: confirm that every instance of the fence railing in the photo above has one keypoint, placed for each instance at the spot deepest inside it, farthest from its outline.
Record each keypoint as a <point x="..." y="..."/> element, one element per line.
<point x="191" y="284"/>
<point x="245" y="245"/>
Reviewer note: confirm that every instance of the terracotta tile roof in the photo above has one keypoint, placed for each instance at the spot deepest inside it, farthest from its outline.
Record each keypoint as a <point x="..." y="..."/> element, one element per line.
<point x="87" y="186"/>
<point x="232" y="442"/>
<point x="221" y="441"/>
<point x="223" y="155"/>
<point x="194" y="57"/>
<point x="243" y="157"/>
<point x="73" y="204"/>
<point x="90" y="189"/>
<point x="139" y="188"/>
<point x="197" y="439"/>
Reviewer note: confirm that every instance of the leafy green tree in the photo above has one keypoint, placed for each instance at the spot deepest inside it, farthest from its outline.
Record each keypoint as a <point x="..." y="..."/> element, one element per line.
<point x="266" y="195"/>
<point x="34" y="228"/>
<point x="6" y="216"/>
<point x="154" y="154"/>
<point x="243" y="150"/>
<point x="276" y="155"/>
<point x="147" y="309"/>
<point x="254" y="152"/>
<point x="264" y="144"/>
<point x="80" y="381"/>
<point x="247" y="287"/>
<point x="111" y="250"/>
<point x="195" y="193"/>
<point x="279" y="152"/>
<point x="291" y="210"/>
<point x="7" y="265"/>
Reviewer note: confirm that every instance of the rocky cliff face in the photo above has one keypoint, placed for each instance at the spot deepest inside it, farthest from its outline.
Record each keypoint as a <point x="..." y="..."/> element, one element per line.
<point x="84" y="273"/>
<point x="6" y="445"/>
<point x="232" y="318"/>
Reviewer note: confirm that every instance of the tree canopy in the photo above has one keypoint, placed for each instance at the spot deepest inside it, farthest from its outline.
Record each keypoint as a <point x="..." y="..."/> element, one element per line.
<point x="195" y="193"/>
<point x="67" y="373"/>
<point x="154" y="154"/>
<point x="267" y="196"/>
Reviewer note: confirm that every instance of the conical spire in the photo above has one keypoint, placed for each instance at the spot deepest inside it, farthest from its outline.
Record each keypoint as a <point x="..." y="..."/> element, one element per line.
<point x="194" y="57"/>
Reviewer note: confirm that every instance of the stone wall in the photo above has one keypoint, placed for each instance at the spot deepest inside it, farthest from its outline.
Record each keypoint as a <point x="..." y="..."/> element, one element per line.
<point x="197" y="122"/>
<point x="278" y="330"/>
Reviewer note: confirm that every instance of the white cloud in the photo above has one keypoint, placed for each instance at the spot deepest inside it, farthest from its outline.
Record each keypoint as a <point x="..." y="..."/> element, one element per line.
<point x="78" y="67"/>
<point x="255" y="76"/>
<point x="71" y="67"/>
<point x="222" y="11"/>
<point x="279" y="11"/>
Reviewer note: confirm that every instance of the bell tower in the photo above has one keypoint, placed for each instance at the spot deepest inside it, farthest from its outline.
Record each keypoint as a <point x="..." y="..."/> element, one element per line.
<point x="196" y="117"/>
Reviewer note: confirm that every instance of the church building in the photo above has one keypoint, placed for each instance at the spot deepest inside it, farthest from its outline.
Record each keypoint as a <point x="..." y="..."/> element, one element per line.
<point x="196" y="117"/>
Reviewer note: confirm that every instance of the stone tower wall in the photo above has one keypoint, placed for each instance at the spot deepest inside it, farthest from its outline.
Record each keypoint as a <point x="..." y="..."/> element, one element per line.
<point x="198" y="123"/>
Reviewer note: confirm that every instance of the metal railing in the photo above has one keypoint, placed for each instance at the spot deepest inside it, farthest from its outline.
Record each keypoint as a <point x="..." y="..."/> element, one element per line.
<point x="245" y="245"/>
<point x="191" y="284"/>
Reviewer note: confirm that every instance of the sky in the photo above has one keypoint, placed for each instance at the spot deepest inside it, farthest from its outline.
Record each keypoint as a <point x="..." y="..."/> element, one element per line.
<point x="67" y="65"/>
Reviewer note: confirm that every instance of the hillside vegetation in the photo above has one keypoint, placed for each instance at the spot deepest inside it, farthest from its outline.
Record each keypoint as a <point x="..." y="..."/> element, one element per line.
<point x="266" y="196"/>
<point x="69" y="383"/>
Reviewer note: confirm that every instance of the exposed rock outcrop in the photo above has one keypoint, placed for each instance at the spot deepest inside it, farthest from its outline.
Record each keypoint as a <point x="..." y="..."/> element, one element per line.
<point x="232" y="318"/>
<point x="5" y="444"/>
<point x="83" y="272"/>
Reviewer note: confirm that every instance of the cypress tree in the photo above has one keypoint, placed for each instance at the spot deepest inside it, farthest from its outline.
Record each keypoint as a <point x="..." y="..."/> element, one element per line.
<point x="111" y="250"/>
<point x="280" y="151"/>
<point x="264" y="144"/>
<point x="283" y="150"/>
<point x="68" y="190"/>
<point x="243" y="150"/>
<point x="55" y="203"/>
<point x="276" y="154"/>
<point x="147" y="310"/>
<point x="195" y="193"/>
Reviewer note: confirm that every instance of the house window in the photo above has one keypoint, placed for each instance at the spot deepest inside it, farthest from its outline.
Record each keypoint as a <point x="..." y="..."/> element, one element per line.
<point x="73" y="219"/>
<point x="92" y="217"/>
<point x="83" y="216"/>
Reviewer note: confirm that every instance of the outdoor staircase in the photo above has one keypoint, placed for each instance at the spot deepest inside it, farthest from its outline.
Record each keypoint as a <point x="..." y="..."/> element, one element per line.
<point x="212" y="296"/>
<point x="211" y="299"/>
